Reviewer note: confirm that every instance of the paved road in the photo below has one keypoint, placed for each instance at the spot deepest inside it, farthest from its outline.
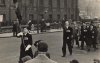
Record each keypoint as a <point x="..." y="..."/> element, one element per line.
<point x="9" y="49"/>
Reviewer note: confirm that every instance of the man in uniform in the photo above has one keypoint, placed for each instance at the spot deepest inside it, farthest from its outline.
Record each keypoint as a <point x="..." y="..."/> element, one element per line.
<point x="15" y="29"/>
<point x="43" y="25"/>
<point x="26" y="45"/>
<point x="93" y="36"/>
<point x="83" y="36"/>
<point x="75" y="33"/>
<point x="68" y="31"/>
<point x="29" y="25"/>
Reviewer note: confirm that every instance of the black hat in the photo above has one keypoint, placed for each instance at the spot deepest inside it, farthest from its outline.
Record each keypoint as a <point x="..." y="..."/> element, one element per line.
<point x="74" y="61"/>
<point x="42" y="47"/>
<point x="37" y="42"/>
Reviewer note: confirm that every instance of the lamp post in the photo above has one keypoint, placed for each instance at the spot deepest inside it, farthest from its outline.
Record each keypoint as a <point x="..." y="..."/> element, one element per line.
<point x="37" y="16"/>
<point x="9" y="11"/>
<point x="25" y="11"/>
<point x="45" y="12"/>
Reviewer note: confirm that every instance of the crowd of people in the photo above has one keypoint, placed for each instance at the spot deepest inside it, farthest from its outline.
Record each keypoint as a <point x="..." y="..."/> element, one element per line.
<point x="80" y="34"/>
<point x="73" y="33"/>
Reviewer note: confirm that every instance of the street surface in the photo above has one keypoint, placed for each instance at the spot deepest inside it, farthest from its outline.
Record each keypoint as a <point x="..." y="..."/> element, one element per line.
<point x="9" y="49"/>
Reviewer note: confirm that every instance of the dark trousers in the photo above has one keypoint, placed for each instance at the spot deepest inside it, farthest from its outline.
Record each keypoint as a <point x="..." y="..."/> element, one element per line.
<point x="15" y="33"/>
<point x="24" y="53"/>
<point x="94" y="43"/>
<point x="76" y="40"/>
<point x="89" y="43"/>
<point x="69" y="44"/>
<point x="43" y="29"/>
<point x="82" y="43"/>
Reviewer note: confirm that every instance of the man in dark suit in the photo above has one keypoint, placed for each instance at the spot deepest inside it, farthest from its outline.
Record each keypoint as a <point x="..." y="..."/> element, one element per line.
<point x="43" y="25"/>
<point x="83" y="36"/>
<point x="68" y="31"/>
<point x="29" y="25"/>
<point x="26" y="45"/>
<point x="15" y="30"/>
<point x="93" y="36"/>
<point x="75" y="33"/>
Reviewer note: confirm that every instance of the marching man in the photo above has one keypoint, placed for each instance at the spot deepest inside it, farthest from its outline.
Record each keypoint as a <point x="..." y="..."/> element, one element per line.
<point x="26" y="45"/>
<point x="68" y="32"/>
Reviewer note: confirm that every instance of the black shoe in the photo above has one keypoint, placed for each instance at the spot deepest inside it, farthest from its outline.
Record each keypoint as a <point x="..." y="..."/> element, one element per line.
<point x="20" y="62"/>
<point x="70" y="53"/>
<point x="82" y="48"/>
<point x="63" y="56"/>
<point x="88" y="50"/>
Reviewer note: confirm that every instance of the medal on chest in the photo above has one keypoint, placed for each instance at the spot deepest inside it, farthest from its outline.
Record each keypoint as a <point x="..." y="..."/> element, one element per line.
<point x="25" y="38"/>
<point x="92" y="31"/>
<point x="67" y="30"/>
<point x="85" y="30"/>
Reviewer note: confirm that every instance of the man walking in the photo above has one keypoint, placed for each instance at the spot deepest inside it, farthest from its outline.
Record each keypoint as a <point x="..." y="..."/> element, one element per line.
<point x="68" y="31"/>
<point x="83" y="36"/>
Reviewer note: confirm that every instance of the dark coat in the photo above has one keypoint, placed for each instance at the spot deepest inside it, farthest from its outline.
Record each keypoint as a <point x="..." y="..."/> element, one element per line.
<point x="14" y="27"/>
<point x="26" y="40"/>
<point x="68" y="33"/>
<point x="84" y="33"/>
<point x="93" y="33"/>
<point x="29" y="26"/>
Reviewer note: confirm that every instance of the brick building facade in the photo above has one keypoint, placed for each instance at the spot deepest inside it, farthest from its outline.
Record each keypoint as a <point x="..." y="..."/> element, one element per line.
<point x="47" y="9"/>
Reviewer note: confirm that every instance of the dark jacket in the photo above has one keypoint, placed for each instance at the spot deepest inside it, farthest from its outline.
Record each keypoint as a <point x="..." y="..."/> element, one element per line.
<point x="68" y="32"/>
<point x="26" y="40"/>
<point x="84" y="33"/>
<point x="93" y="33"/>
<point x="14" y="27"/>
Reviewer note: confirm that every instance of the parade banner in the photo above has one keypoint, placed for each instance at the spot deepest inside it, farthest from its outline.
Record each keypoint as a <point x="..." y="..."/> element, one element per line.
<point x="1" y="18"/>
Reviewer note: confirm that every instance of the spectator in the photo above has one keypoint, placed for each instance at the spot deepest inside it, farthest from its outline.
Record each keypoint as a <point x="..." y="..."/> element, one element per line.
<point x="41" y="58"/>
<point x="37" y="52"/>
<point x="48" y="26"/>
<point x="32" y="27"/>
<point x="43" y="25"/>
<point x="29" y="25"/>
<point x="15" y="29"/>
<point x="96" y="61"/>
<point x="26" y="45"/>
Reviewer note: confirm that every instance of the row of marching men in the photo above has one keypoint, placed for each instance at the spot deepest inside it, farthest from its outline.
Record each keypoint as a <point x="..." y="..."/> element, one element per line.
<point x="79" y="34"/>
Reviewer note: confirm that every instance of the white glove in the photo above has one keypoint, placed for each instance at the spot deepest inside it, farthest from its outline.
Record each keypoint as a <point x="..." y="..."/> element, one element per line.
<point x="20" y="34"/>
<point x="67" y="37"/>
<point x="28" y="47"/>
<point x="92" y="36"/>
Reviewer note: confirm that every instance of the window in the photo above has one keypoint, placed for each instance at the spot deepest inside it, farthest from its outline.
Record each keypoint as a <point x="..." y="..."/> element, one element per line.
<point x="31" y="3"/>
<point x="50" y="5"/>
<point x="65" y="3"/>
<point x="31" y="16"/>
<point x="41" y="5"/>
<point x="50" y="16"/>
<point x="2" y="2"/>
<point x="58" y="4"/>
<point x="65" y="16"/>
<point x="42" y="16"/>
<point x="58" y="16"/>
